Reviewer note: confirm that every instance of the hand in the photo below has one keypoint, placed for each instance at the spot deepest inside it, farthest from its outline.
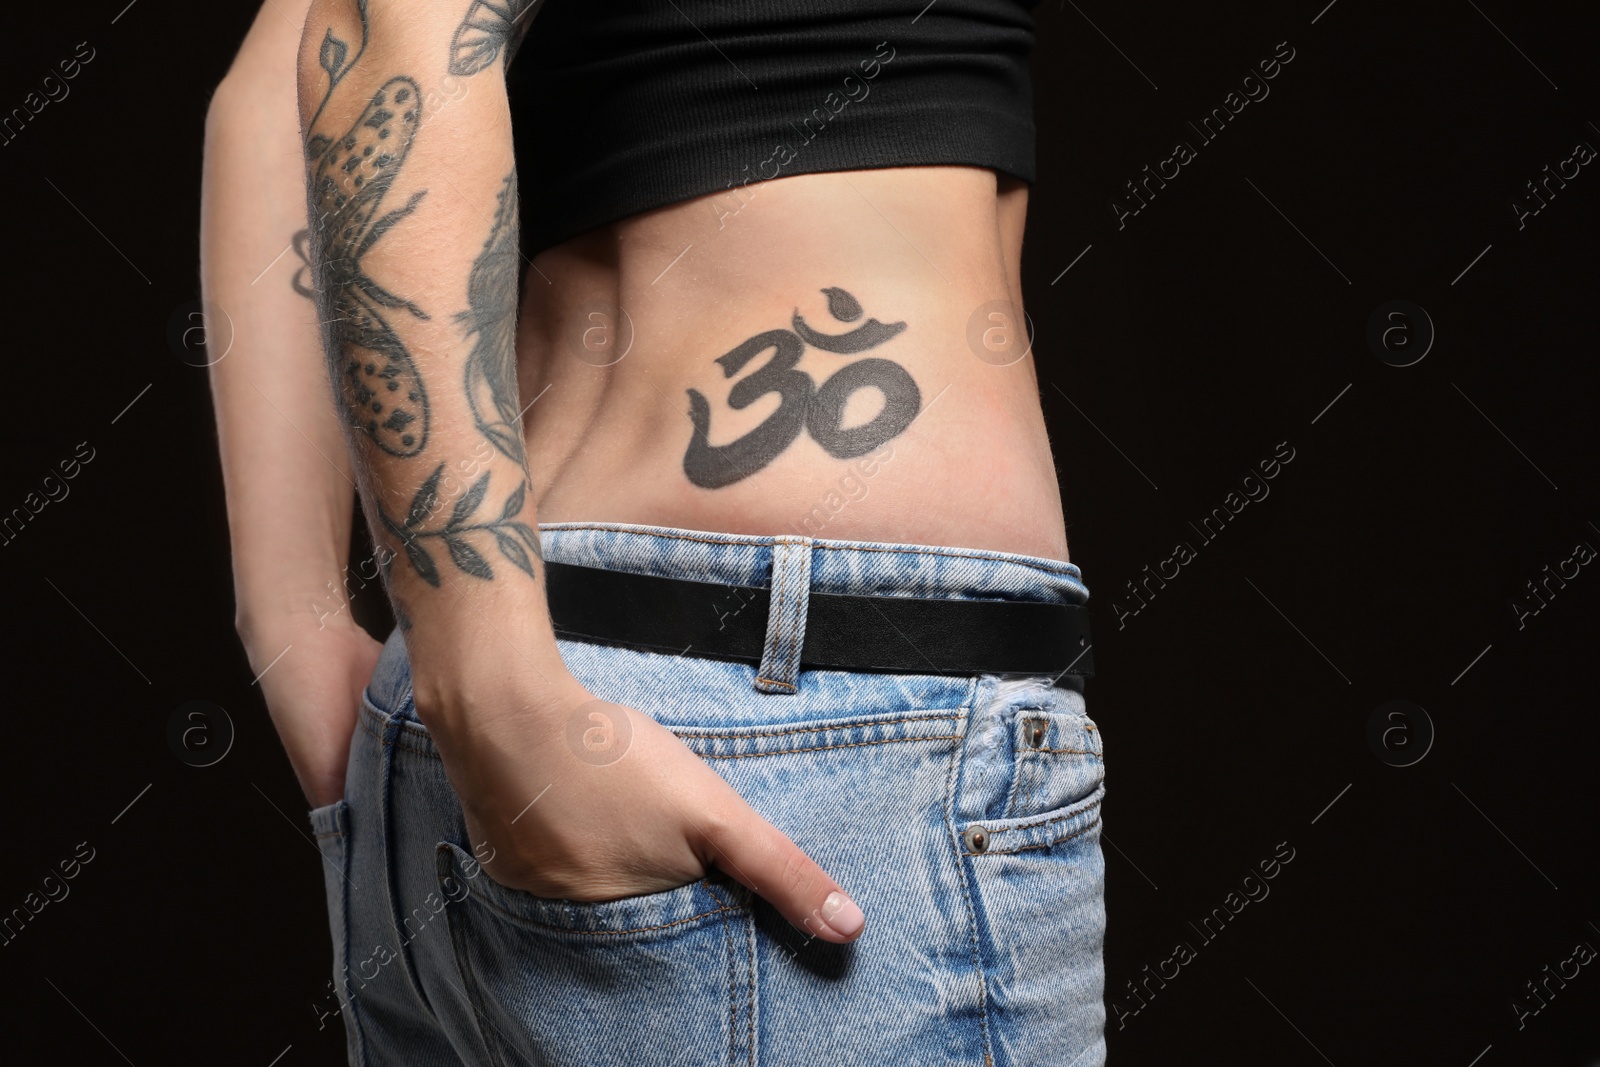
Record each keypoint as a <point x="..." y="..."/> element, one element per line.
<point x="314" y="696"/>
<point x="586" y="800"/>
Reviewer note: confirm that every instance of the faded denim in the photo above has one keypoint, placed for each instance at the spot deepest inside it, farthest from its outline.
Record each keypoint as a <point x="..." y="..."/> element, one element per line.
<point x="987" y="957"/>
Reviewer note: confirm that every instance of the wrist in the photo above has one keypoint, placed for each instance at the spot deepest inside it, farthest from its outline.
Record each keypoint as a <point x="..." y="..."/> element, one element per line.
<point x="480" y="650"/>
<point x="503" y="692"/>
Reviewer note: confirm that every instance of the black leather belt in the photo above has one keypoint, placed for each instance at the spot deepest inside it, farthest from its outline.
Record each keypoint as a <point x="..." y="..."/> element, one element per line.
<point x="905" y="635"/>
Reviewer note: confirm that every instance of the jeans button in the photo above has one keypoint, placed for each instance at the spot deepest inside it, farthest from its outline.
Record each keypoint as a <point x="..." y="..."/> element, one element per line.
<point x="977" y="840"/>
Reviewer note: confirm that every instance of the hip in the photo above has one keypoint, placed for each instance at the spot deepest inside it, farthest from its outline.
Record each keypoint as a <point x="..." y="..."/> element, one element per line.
<point x="961" y="811"/>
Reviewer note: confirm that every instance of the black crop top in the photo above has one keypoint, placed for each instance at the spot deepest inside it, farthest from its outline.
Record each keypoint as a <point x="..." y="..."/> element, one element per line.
<point x="620" y="106"/>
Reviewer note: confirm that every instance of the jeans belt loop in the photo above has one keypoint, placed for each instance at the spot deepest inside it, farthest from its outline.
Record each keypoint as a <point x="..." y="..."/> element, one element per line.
<point x="779" y="671"/>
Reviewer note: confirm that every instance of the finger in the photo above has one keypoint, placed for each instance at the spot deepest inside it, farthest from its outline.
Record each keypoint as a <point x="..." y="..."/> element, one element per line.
<point x="760" y="856"/>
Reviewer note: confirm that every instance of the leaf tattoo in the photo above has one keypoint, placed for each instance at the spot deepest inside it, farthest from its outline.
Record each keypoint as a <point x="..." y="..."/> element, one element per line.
<point x="331" y="57"/>
<point x="514" y="538"/>
<point x="425" y="500"/>
<point x="469" y="503"/>
<point x="332" y="54"/>
<point x="375" y="375"/>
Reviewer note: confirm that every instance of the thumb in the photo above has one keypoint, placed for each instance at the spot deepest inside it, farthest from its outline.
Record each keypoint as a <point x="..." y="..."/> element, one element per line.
<point x="761" y="857"/>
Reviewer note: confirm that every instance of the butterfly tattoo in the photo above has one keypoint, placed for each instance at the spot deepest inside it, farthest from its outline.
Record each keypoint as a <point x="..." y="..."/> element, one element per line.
<point x="381" y="390"/>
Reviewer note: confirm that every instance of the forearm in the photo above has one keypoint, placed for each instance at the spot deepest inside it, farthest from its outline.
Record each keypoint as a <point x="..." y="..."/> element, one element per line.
<point x="412" y="200"/>
<point x="289" y="487"/>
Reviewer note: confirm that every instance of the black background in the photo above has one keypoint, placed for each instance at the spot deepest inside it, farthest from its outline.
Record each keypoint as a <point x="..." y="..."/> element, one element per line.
<point x="1222" y="319"/>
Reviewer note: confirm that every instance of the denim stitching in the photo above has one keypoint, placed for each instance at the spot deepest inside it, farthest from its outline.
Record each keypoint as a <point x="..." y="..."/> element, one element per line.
<point x="966" y="890"/>
<point x="824" y="748"/>
<point x="781" y="685"/>
<point x="733" y="1003"/>
<point x="1046" y="844"/>
<point x="750" y="978"/>
<point x="469" y="976"/>
<point x="803" y="595"/>
<point x="846" y="546"/>
<point x="822" y="729"/>
<point x="908" y="550"/>
<point x="376" y="723"/>
<point x="396" y="742"/>
<point x="775" y="605"/>
<point x="733" y="1038"/>
<point x="344" y="908"/>
<point x="1022" y="790"/>
<point x="602" y="933"/>
<point x="791" y="614"/>
<point x="391" y="874"/>
<point x="786" y="617"/>
<point x="691" y="738"/>
<point x="1032" y="826"/>
<point x="777" y="612"/>
<point x="492" y="906"/>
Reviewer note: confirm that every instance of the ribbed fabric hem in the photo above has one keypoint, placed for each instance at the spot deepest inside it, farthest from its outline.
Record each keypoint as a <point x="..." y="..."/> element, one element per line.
<point x="639" y="105"/>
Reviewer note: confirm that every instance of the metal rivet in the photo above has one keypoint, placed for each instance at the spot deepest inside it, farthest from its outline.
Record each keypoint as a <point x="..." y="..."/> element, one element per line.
<point x="977" y="839"/>
<point x="1036" y="733"/>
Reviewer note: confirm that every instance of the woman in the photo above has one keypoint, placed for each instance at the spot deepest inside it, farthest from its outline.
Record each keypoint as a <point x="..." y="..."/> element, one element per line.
<point x="764" y="447"/>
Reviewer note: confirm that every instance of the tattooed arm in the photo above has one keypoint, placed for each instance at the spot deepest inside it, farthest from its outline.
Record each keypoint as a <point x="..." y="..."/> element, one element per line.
<point x="289" y="487"/>
<point x="413" y="207"/>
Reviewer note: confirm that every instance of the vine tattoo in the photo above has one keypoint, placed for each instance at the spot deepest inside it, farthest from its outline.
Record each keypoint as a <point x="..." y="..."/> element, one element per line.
<point x="487" y="28"/>
<point x="492" y="319"/>
<point x="491" y="385"/>
<point x="374" y="375"/>
<point x="510" y="533"/>
<point x="819" y="410"/>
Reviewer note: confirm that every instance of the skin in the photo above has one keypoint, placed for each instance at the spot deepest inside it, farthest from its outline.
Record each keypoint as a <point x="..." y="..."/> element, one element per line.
<point x="812" y="321"/>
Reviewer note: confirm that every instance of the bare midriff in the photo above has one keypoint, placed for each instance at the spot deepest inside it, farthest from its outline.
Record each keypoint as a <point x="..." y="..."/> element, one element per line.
<point x="909" y="275"/>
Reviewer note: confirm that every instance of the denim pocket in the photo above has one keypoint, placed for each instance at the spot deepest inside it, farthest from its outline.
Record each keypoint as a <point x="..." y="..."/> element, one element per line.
<point x="1057" y="759"/>
<point x="1038" y="882"/>
<point x="994" y="837"/>
<point x="331" y="826"/>
<point x="685" y="956"/>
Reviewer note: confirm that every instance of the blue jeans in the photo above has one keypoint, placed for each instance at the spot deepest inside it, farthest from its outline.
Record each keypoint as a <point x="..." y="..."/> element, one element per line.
<point x="980" y="948"/>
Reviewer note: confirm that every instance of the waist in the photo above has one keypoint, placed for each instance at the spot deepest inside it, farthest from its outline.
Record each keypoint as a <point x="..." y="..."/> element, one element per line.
<point x="848" y="357"/>
<point x="788" y="605"/>
<point x="678" y="684"/>
<point x="845" y="568"/>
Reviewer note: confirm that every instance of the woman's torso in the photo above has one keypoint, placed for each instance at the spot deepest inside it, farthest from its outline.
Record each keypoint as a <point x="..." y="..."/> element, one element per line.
<point x="619" y="324"/>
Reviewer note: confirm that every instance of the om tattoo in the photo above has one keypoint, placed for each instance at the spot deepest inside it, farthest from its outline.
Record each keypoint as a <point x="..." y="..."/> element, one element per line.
<point x="803" y="405"/>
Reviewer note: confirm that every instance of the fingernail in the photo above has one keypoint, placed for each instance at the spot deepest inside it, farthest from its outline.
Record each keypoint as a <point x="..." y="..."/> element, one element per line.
<point x="842" y="915"/>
